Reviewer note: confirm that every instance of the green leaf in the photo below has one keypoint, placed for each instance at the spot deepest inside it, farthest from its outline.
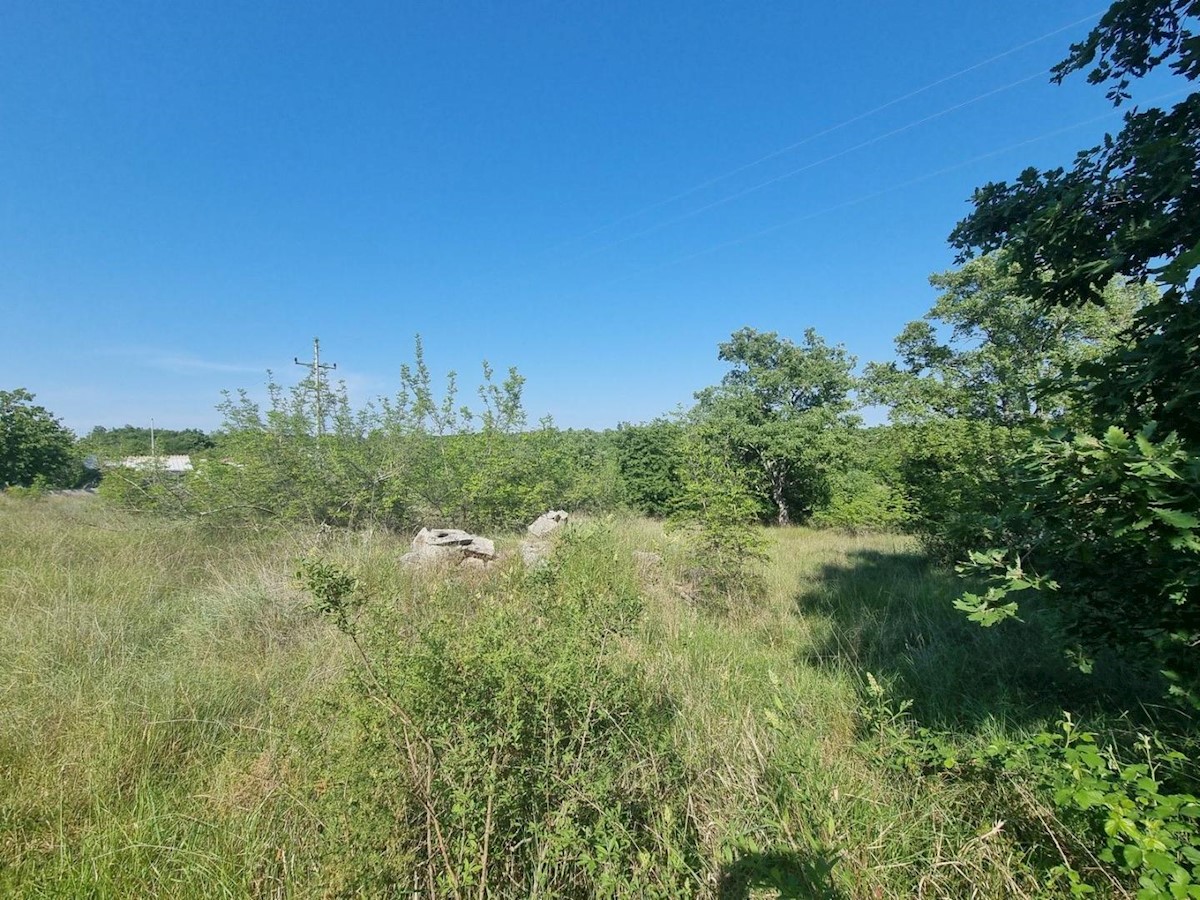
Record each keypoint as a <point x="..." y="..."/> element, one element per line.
<point x="1175" y="517"/>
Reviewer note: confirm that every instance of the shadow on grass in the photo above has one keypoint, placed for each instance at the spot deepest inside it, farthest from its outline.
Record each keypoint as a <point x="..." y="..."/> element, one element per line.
<point x="791" y="876"/>
<point x="892" y="614"/>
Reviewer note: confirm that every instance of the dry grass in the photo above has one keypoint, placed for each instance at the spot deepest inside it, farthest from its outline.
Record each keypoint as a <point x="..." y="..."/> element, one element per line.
<point x="155" y="676"/>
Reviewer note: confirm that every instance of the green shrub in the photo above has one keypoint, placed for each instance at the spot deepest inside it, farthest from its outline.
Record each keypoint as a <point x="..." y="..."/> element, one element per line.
<point x="716" y="513"/>
<point x="499" y="743"/>
<point x="956" y="480"/>
<point x="860" y="500"/>
<point x="1092" y="811"/>
<point x="648" y="455"/>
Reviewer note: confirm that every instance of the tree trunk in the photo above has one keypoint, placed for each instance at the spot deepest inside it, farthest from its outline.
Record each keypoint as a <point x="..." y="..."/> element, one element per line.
<point x="776" y="475"/>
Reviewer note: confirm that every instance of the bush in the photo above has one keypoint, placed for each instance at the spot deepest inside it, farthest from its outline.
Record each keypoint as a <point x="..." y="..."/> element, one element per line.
<point x="409" y="461"/>
<point x="957" y="480"/>
<point x="1091" y="810"/>
<point x="648" y="456"/>
<point x="500" y="744"/>
<point x="716" y="512"/>
<point x="860" y="500"/>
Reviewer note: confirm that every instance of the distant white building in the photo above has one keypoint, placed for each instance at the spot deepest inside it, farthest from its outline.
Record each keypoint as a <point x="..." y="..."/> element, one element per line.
<point x="176" y="463"/>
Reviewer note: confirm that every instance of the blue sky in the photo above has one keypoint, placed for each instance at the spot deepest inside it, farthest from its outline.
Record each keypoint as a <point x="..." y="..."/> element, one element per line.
<point x="190" y="192"/>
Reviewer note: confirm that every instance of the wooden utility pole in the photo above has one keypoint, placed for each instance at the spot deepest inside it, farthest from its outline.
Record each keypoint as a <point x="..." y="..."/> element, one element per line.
<point x="317" y="367"/>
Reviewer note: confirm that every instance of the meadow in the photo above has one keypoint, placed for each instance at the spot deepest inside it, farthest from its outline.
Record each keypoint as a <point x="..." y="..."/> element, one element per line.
<point x="181" y="719"/>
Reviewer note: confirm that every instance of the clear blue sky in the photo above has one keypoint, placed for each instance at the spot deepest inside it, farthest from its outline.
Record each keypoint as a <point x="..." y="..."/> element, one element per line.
<point x="189" y="192"/>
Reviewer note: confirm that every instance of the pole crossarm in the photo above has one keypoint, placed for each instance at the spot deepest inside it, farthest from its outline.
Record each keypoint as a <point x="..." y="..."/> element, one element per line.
<point x="316" y="367"/>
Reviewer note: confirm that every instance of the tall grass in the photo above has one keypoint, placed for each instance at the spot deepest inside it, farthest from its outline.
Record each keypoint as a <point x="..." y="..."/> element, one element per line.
<point x="149" y="674"/>
<point x="175" y="718"/>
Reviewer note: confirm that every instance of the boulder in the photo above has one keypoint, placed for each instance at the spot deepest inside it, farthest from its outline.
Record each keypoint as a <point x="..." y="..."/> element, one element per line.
<point x="548" y="523"/>
<point x="448" y="545"/>
<point x="534" y="553"/>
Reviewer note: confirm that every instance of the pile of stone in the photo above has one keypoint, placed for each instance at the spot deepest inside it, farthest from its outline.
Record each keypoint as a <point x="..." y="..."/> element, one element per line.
<point x="449" y="546"/>
<point x="454" y="547"/>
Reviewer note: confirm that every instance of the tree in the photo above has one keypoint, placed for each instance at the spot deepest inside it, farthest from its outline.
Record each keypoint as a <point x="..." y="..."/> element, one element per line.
<point x="1128" y="203"/>
<point x="1126" y="208"/>
<point x="647" y="456"/>
<point x="34" y="445"/>
<point x="1008" y="359"/>
<point x="1105" y="522"/>
<point x="777" y="410"/>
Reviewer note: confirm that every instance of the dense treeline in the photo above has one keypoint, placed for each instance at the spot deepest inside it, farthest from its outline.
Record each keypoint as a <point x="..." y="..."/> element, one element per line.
<point x="131" y="440"/>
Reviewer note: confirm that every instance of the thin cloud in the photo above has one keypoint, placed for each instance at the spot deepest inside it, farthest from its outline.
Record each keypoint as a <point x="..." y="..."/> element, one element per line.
<point x="186" y="365"/>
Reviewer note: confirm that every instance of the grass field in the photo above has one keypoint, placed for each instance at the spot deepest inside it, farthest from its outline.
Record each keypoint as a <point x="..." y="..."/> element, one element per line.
<point x="163" y="688"/>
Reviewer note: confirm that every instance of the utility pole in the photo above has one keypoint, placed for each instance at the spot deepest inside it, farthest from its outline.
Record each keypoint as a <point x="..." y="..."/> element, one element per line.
<point x="153" y="452"/>
<point x="317" y="367"/>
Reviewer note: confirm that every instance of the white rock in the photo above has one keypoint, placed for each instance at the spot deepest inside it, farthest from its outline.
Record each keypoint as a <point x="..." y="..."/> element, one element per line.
<point x="448" y="544"/>
<point x="548" y="523"/>
<point x="534" y="553"/>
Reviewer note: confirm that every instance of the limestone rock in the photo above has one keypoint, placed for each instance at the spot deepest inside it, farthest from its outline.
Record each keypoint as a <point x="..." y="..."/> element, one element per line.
<point x="433" y="545"/>
<point x="534" y="553"/>
<point x="547" y="523"/>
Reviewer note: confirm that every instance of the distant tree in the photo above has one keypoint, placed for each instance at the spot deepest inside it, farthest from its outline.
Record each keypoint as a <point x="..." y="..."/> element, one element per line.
<point x="1008" y="359"/>
<point x="131" y="440"/>
<point x="34" y="445"/>
<point x="648" y="456"/>
<point x="779" y="410"/>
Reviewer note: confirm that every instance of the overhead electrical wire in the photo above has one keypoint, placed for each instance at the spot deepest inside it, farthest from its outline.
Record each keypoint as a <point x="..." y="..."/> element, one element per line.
<point x="858" y="117"/>
<point x="866" y="198"/>
<point x="795" y="145"/>
<point x="737" y="195"/>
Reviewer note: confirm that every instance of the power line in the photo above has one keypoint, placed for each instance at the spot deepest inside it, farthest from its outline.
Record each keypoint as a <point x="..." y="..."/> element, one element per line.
<point x="715" y="179"/>
<point x="831" y="129"/>
<point x="737" y="195"/>
<point x="875" y="194"/>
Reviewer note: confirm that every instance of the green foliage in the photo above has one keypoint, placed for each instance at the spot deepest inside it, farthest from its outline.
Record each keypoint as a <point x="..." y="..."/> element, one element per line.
<point x="783" y="411"/>
<point x="34" y="445"/>
<point x="501" y="746"/>
<point x="1009" y="360"/>
<point x="1112" y="524"/>
<point x="1118" y="211"/>
<point x="130" y="440"/>
<point x="1153" y="378"/>
<point x="1108" y="516"/>
<point x="862" y="500"/>
<point x="145" y="489"/>
<point x="410" y="460"/>
<point x="1142" y="824"/>
<point x="865" y="488"/>
<point x="647" y="456"/>
<point x="1111" y="819"/>
<point x="716" y="511"/>
<point x="956" y="479"/>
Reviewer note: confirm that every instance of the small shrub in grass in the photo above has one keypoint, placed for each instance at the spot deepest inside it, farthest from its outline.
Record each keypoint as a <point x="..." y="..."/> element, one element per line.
<point x="1099" y="813"/>
<point x="144" y="490"/>
<point x="497" y="743"/>
<point x="716" y="513"/>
